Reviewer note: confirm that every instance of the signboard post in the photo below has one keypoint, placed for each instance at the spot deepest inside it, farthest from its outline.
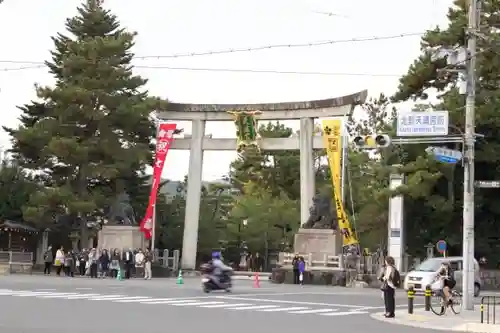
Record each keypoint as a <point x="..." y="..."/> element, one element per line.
<point x="445" y="155"/>
<point x="428" y="123"/>
<point x="441" y="247"/>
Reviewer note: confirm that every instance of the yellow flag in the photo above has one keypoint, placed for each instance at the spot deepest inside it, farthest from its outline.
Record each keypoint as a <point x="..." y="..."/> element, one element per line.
<point x="332" y="136"/>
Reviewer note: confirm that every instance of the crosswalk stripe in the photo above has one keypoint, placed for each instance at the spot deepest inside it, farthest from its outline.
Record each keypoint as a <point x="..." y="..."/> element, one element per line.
<point x="57" y="295"/>
<point x="107" y="298"/>
<point x="83" y="296"/>
<point x="134" y="300"/>
<point x="29" y="293"/>
<point x="169" y="301"/>
<point x="196" y="303"/>
<point x="342" y="313"/>
<point x="283" y="309"/>
<point x="255" y="307"/>
<point x="225" y="305"/>
<point x="125" y="298"/>
<point x="313" y="311"/>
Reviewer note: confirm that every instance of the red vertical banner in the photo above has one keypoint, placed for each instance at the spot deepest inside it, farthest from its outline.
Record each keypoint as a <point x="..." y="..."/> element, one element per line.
<point x="164" y="140"/>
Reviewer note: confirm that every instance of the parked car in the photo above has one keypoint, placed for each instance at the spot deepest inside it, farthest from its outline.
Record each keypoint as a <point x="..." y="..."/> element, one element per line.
<point x="425" y="274"/>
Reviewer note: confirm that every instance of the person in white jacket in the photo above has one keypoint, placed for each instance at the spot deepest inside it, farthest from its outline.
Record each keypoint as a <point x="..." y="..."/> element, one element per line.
<point x="139" y="263"/>
<point x="59" y="262"/>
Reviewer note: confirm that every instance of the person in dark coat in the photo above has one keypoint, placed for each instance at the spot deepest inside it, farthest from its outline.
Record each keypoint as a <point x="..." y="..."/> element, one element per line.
<point x="296" y="270"/>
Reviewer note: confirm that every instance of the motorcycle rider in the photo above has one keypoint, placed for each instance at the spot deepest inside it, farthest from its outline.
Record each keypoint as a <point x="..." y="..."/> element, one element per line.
<point x="219" y="267"/>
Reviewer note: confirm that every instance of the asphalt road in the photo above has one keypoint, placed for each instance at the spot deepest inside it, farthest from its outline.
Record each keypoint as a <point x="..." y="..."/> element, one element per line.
<point x="56" y="304"/>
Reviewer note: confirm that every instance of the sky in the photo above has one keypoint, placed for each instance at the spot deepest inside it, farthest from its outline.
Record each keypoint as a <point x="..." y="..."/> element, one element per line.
<point x="167" y="27"/>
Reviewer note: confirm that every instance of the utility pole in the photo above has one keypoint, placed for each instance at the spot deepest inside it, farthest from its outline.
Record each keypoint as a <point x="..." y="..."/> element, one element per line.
<point x="468" y="213"/>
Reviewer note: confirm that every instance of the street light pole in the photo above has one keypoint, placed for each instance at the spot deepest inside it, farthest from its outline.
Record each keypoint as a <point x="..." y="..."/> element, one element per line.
<point x="468" y="200"/>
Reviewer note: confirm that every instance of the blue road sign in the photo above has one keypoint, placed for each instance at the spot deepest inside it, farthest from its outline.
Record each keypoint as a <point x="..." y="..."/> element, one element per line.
<point x="445" y="155"/>
<point x="441" y="246"/>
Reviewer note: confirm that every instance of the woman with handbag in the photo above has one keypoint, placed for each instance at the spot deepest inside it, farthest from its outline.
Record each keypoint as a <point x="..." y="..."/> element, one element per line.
<point x="389" y="286"/>
<point x="59" y="262"/>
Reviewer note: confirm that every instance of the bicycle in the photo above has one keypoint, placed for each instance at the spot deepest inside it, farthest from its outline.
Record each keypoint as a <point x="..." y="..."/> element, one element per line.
<point x="438" y="305"/>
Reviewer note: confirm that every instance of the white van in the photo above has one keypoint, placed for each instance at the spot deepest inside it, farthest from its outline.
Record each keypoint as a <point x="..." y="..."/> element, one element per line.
<point x="425" y="273"/>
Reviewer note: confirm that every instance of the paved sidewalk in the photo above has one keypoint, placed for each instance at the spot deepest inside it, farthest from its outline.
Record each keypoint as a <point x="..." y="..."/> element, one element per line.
<point x="468" y="321"/>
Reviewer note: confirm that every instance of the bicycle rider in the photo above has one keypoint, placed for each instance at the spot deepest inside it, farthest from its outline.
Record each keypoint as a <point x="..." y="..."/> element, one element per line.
<point x="446" y="275"/>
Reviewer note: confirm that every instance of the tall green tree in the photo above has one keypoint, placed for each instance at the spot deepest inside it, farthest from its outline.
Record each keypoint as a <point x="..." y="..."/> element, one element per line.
<point x="426" y="73"/>
<point x="426" y="208"/>
<point x="16" y="187"/>
<point x="277" y="171"/>
<point x="92" y="126"/>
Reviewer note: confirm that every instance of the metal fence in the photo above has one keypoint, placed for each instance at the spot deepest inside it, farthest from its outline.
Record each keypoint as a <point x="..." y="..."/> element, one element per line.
<point x="15" y="257"/>
<point x="488" y="309"/>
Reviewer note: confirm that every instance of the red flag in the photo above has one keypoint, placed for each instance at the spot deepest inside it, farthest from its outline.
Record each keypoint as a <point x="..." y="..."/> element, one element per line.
<point x="163" y="143"/>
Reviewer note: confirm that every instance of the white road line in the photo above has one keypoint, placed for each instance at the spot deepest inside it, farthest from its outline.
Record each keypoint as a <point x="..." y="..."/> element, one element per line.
<point x="168" y="301"/>
<point x="343" y="313"/>
<point x="83" y="296"/>
<point x="127" y="298"/>
<point x="313" y="311"/>
<point x="284" y="309"/>
<point x="225" y="305"/>
<point x="134" y="300"/>
<point x="254" y="307"/>
<point x="196" y="303"/>
<point x="107" y="298"/>
<point x="58" y="295"/>
<point x="32" y="294"/>
<point x="289" y="302"/>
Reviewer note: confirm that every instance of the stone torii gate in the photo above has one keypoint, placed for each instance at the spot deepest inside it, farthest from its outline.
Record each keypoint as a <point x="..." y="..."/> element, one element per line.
<point x="199" y="114"/>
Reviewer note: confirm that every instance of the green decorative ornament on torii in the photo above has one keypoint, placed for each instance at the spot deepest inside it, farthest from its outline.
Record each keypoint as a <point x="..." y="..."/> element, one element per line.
<point x="246" y="129"/>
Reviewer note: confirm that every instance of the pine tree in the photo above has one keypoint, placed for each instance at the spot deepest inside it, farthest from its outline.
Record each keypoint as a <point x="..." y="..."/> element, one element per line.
<point x="426" y="72"/>
<point x="91" y="134"/>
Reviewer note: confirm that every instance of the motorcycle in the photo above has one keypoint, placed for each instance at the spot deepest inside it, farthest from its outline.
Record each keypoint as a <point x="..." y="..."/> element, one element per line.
<point x="210" y="282"/>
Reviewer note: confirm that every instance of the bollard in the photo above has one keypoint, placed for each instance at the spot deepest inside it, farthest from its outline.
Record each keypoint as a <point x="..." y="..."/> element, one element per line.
<point x="481" y="309"/>
<point x="427" y="300"/>
<point x="411" y="295"/>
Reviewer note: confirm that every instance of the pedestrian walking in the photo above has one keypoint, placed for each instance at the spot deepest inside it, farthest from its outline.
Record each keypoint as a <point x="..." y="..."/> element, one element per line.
<point x="302" y="269"/>
<point x="148" y="260"/>
<point x="296" y="272"/>
<point x="48" y="258"/>
<point x="59" y="263"/>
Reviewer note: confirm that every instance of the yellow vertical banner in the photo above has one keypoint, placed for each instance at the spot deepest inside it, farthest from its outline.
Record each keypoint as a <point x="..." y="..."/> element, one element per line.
<point x="332" y="136"/>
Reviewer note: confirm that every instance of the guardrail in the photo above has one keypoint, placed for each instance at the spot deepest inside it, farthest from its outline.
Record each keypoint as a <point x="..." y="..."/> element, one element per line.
<point x="16" y="262"/>
<point x="328" y="262"/>
<point x="490" y="302"/>
<point x="14" y="257"/>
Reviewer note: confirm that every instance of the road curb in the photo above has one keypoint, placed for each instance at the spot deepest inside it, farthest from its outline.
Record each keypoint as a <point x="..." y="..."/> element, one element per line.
<point x="417" y="320"/>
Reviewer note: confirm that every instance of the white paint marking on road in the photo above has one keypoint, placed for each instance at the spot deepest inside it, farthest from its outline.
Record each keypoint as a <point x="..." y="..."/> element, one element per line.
<point x="284" y="309"/>
<point x="313" y="311"/>
<point x="31" y="293"/>
<point x="383" y="307"/>
<point x="83" y="288"/>
<point x="58" y="295"/>
<point x="134" y="300"/>
<point x="288" y="302"/>
<point x="107" y="298"/>
<point x="168" y="301"/>
<point x="83" y="296"/>
<point x="128" y="298"/>
<point x="343" y="313"/>
<point x="225" y="305"/>
<point x="254" y="307"/>
<point x="196" y="303"/>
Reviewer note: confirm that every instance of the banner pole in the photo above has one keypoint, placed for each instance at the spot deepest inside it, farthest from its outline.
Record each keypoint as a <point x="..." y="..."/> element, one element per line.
<point x="153" y="231"/>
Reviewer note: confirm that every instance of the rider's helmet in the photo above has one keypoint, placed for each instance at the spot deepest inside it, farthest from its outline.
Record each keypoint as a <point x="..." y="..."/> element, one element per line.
<point x="216" y="255"/>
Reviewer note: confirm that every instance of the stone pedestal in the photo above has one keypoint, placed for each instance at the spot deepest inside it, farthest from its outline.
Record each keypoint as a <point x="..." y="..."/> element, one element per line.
<point x="120" y="237"/>
<point x="318" y="242"/>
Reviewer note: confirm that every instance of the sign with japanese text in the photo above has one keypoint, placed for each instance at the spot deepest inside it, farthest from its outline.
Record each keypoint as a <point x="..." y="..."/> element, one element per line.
<point x="164" y="140"/>
<point x="428" y="123"/>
